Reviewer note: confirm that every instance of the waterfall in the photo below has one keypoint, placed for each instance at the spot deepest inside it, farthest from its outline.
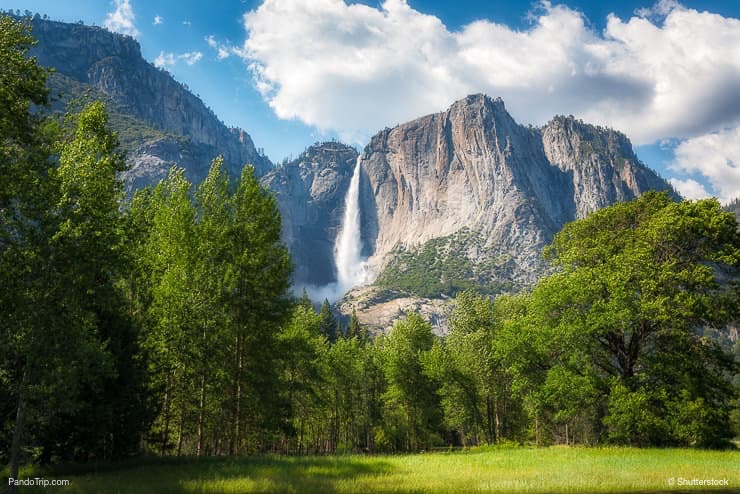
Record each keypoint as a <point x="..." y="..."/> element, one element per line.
<point x="351" y="267"/>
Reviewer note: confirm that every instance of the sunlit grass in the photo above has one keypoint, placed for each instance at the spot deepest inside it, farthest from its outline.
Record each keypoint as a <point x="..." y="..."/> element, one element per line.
<point x="513" y="470"/>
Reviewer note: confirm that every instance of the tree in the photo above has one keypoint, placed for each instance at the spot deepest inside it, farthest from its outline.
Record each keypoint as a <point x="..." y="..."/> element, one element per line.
<point x="24" y="147"/>
<point x="24" y="155"/>
<point x="328" y="322"/>
<point x="470" y="371"/>
<point x="169" y="255"/>
<point x="88" y="250"/>
<point x="305" y="301"/>
<point x="412" y="408"/>
<point x="304" y="366"/>
<point x="68" y="343"/>
<point x="258" y="278"/>
<point x="638" y="280"/>
<point x="354" y="329"/>
<point x="210" y="298"/>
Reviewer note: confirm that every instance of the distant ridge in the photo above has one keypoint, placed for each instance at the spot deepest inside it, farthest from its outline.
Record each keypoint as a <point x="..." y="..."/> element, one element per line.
<point x="159" y="121"/>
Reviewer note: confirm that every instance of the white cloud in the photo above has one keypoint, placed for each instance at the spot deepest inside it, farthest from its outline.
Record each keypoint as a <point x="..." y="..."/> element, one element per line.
<point x="164" y="60"/>
<point x="223" y="53"/>
<point x="158" y="19"/>
<point x="714" y="156"/>
<point x="187" y="23"/>
<point x="668" y="72"/>
<point x="222" y="50"/>
<point x="689" y="188"/>
<point x="191" y="58"/>
<point x="122" y="19"/>
<point x="170" y="59"/>
<point x="660" y="8"/>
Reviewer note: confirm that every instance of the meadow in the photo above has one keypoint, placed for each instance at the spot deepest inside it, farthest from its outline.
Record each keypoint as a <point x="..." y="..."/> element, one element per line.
<point x="502" y="470"/>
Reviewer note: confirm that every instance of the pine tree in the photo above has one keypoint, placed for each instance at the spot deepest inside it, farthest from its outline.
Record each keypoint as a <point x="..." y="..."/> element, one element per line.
<point x="354" y="330"/>
<point x="305" y="301"/>
<point x="328" y="322"/>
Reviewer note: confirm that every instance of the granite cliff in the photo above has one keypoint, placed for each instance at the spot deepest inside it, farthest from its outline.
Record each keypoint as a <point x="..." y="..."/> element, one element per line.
<point x="159" y="120"/>
<point x="468" y="197"/>
<point x="310" y="192"/>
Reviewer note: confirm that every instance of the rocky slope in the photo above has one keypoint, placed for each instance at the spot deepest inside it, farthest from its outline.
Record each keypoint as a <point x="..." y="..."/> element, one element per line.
<point x="469" y="197"/>
<point x="310" y="192"/>
<point x="175" y="126"/>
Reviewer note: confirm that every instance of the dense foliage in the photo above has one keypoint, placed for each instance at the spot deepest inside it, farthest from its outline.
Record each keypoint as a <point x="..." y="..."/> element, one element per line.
<point x="162" y="324"/>
<point x="443" y="266"/>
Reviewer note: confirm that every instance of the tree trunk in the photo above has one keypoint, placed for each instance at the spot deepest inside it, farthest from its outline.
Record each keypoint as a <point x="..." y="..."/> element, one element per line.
<point x="490" y="429"/>
<point x="237" y="397"/>
<point x="180" y="427"/>
<point x="166" y="411"/>
<point x="201" y="406"/>
<point x="497" y="419"/>
<point x="15" y="449"/>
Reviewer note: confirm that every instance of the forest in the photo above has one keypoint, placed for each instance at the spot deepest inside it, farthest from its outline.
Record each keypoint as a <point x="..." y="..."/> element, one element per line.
<point x="163" y="323"/>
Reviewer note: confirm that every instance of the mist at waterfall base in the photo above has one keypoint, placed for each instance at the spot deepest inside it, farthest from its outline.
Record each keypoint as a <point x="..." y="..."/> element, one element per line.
<point x="352" y="268"/>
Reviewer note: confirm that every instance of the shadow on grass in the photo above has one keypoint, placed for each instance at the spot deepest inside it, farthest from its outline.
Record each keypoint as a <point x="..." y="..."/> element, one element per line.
<point x="301" y="474"/>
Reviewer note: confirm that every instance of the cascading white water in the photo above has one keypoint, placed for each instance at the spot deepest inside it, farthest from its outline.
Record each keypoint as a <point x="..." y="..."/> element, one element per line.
<point x="351" y="267"/>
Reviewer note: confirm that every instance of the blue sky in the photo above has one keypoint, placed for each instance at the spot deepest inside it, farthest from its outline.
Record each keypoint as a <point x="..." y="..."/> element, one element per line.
<point x="292" y="72"/>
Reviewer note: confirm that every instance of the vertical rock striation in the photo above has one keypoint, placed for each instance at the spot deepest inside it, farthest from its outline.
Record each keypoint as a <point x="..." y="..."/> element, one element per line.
<point x="473" y="183"/>
<point x="474" y="167"/>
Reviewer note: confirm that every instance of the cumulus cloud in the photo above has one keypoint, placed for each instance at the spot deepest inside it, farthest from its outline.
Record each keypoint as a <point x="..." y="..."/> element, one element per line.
<point x="660" y="8"/>
<point x="122" y="19"/>
<point x="689" y="188"/>
<point x="668" y="71"/>
<point x="158" y="19"/>
<point x="716" y="157"/>
<point x="170" y="59"/>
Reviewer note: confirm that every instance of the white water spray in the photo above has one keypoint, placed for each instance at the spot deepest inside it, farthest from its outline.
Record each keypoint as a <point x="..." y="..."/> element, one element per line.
<point x="351" y="266"/>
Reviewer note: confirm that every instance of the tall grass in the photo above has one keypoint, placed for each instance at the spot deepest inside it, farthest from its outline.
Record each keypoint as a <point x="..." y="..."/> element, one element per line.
<point x="515" y="470"/>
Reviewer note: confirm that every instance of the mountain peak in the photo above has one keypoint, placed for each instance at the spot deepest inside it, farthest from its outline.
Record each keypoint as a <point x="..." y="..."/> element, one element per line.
<point x="160" y="122"/>
<point x="478" y="104"/>
<point x="481" y="99"/>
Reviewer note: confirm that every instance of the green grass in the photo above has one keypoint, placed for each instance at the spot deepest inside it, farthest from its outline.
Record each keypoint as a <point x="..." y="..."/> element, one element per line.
<point x="556" y="469"/>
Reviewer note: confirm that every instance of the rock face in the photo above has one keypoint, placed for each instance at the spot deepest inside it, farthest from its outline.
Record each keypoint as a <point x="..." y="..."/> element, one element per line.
<point x="111" y="65"/>
<point x="473" y="166"/>
<point x="496" y="190"/>
<point x="310" y="192"/>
